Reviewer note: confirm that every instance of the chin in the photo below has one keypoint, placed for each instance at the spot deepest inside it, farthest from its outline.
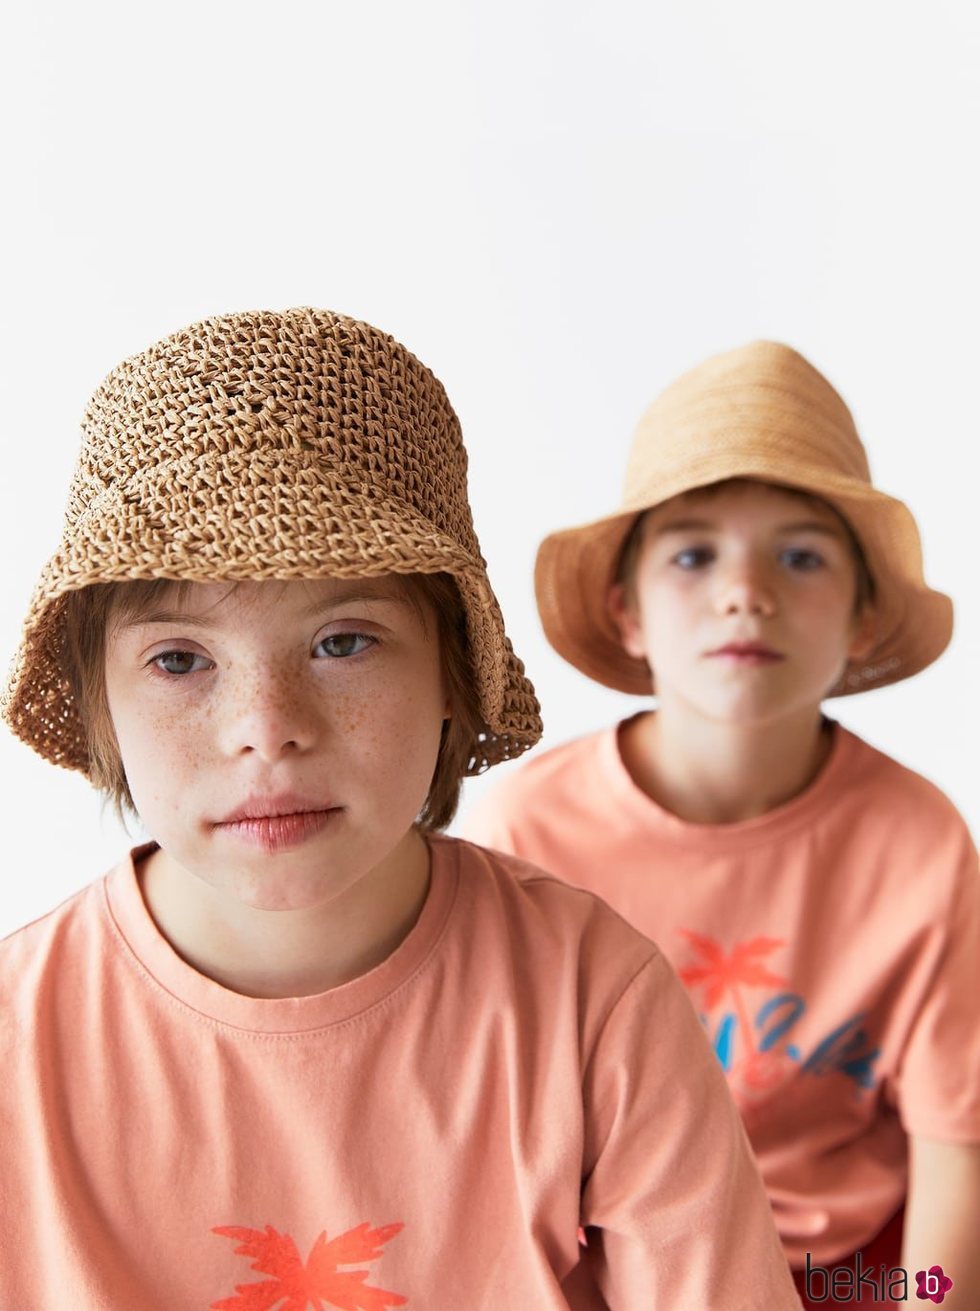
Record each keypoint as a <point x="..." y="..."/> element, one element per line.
<point x="746" y="712"/>
<point x="283" y="893"/>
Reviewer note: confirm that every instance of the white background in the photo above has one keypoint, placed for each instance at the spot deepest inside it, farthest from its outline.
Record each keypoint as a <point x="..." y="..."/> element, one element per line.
<point x="558" y="207"/>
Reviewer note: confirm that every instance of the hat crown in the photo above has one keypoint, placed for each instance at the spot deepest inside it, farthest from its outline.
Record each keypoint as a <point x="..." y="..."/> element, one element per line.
<point x="300" y="392"/>
<point x="747" y="412"/>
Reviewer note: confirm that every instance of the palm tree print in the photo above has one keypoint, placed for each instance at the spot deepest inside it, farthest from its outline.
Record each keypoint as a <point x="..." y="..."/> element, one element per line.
<point x="721" y="975"/>
<point x="317" y="1283"/>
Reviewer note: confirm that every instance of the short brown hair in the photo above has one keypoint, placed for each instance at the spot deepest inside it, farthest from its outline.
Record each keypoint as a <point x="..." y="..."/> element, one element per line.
<point x="89" y="612"/>
<point x="629" y="554"/>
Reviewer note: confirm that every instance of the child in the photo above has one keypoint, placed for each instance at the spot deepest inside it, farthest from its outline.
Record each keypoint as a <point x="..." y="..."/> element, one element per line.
<point x="299" y="1049"/>
<point x="819" y="900"/>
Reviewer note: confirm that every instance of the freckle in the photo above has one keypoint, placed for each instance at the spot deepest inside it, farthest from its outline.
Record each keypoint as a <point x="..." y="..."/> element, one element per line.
<point x="351" y="717"/>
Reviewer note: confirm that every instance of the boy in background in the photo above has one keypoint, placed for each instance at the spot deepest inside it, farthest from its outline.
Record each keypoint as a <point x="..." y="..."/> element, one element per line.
<point x="820" y="901"/>
<point x="300" y="1050"/>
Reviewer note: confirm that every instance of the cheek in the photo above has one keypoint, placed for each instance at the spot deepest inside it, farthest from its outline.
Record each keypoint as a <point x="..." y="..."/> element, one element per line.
<point x="359" y="726"/>
<point x="666" y="615"/>
<point x="829" y="616"/>
<point x="157" y="750"/>
<point x="400" y="718"/>
<point x="390" y="722"/>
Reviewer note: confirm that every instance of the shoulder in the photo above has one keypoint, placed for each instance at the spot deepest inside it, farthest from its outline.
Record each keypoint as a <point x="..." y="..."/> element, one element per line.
<point x="905" y="835"/>
<point x="535" y="912"/>
<point x="549" y="950"/>
<point x="37" y="961"/>
<point x="41" y="934"/>
<point x="891" y="793"/>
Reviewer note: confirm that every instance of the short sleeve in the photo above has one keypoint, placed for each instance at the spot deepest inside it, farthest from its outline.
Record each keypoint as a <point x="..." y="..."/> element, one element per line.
<point x="938" y="1083"/>
<point x="674" y="1210"/>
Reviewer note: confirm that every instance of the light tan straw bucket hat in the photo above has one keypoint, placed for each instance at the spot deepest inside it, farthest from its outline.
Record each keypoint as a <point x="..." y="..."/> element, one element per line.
<point x="761" y="412"/>
<point x="300" y="444"/>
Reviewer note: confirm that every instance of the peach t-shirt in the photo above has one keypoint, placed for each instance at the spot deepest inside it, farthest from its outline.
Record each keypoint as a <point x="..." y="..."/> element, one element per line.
<point x="429" y="1135"/>
<point x="831" y="946"/>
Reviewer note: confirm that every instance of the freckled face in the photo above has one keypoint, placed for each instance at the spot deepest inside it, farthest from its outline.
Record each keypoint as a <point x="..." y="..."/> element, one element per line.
<point x="745" y="603"/>
<point x="279" y="738"/>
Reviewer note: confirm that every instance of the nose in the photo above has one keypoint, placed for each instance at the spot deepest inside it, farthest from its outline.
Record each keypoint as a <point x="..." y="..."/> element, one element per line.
<point x="270" y="716"/>
<point x="745" y="589"/>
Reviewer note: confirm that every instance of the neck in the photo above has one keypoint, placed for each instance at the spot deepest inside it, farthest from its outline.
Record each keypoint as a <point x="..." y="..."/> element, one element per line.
<point x="710" y="772"/>
<point x="288" y="953"/>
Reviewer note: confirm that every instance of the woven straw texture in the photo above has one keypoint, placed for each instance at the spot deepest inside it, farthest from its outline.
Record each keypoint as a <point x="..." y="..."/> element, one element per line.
<point x="762" y="412"/>
<point x="300" y="444"/>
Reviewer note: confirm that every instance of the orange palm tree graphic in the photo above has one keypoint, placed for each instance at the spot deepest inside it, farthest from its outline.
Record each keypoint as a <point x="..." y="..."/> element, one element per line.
<point x="719" y="974"/>
<point x="317" y="1283"/>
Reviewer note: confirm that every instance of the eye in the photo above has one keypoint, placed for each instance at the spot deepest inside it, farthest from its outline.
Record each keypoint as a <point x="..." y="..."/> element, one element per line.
<point x="341" y="645"/>
<point x="179" y="662"/>
<point x="802" y="560"/>
<point x="693" y="557"/>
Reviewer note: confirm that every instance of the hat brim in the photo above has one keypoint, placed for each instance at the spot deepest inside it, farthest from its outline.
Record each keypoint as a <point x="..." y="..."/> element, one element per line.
<point x="575" y="570"/>
<point x="312" y="524"/>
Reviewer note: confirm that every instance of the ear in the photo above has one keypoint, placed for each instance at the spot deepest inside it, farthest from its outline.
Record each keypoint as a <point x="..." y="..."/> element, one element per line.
<point x="622" y="611"/>
<point x="864" y="634"/>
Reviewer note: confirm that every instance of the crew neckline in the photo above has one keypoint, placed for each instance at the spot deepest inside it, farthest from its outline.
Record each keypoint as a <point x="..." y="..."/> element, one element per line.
<point x="641" y="809"/>
<point x="162" y="968"/>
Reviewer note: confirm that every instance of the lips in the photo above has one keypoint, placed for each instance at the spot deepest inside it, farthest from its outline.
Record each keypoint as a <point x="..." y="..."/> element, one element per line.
<point x="275" y="806"/>
<point x="277" y="823"/>
<point x="757" y="653"/>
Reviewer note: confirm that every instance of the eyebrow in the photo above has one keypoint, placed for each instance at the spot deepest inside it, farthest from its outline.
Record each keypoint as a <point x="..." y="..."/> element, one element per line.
<point x="356" y="596"/>
<point x="812" y="526"/>
<point x="684" y="526"/>
<point x="708" y="525"/>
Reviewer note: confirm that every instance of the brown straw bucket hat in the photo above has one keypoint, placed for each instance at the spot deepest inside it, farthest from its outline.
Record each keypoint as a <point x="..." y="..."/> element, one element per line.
<point x="300" y="444"/>
<point x="761" y="412"/>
